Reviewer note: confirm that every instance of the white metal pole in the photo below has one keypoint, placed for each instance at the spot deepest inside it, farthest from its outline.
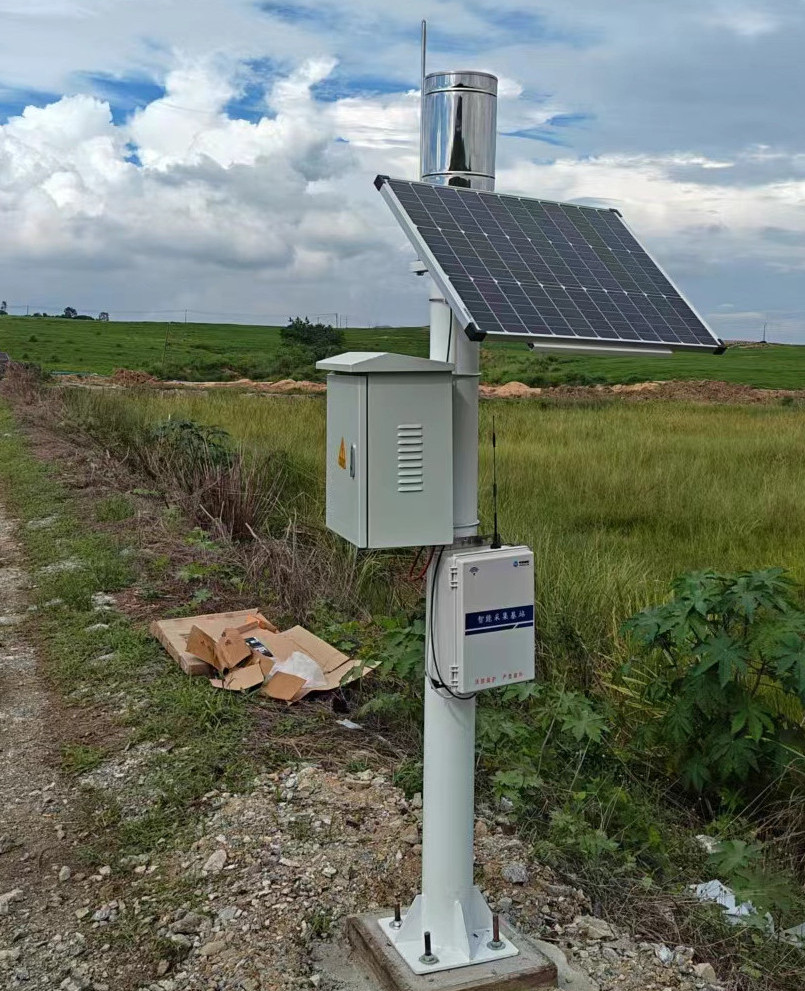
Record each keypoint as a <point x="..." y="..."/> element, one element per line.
<point x="450" y="909"/>
<point x="449" y="746"/>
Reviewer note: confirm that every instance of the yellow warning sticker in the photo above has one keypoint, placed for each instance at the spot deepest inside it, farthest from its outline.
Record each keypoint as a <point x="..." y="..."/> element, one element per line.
<point x="342" y="455"/>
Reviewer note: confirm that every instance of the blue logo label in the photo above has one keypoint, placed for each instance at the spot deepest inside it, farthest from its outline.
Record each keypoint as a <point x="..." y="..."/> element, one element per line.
<point x="496" y="620"/>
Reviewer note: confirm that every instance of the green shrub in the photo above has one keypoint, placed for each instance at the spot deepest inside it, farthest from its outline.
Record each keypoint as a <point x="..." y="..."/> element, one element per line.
<point x="724" y="696"/>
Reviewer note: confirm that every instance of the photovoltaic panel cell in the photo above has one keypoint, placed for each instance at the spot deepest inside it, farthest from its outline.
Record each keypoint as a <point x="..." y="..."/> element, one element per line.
<point x="511" y="266"/>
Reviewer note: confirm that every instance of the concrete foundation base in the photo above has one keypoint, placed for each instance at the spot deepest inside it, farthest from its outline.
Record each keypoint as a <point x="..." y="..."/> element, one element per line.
<point x="530" y="970"/>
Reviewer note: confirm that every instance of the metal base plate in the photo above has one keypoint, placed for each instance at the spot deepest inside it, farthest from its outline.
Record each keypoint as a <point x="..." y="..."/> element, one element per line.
<point x="460" y="941"/>
<point x="448" y="958"/>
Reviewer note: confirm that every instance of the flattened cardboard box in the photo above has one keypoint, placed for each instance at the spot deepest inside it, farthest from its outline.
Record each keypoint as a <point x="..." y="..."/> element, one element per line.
<point x="336" y="667"/>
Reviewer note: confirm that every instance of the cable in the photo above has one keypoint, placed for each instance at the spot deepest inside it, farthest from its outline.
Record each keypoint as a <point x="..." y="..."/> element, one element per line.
<point x="418" y="578"/>
<point x="495" y="545"/>
<point x="432" y="640"/>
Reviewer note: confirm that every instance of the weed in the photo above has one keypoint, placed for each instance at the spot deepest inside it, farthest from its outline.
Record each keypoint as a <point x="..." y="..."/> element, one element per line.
<point x="78" y="758"/>
<point x="320" y="923"/>
<point x="114" y="509"/>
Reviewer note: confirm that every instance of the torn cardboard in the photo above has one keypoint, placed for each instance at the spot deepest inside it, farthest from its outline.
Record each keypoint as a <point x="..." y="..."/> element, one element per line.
<point x="241" y="679"/>
<point x="267" y="647"/>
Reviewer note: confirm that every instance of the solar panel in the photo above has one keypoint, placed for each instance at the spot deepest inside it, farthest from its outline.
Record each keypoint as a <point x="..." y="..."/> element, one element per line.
<point x="553" y="273"/>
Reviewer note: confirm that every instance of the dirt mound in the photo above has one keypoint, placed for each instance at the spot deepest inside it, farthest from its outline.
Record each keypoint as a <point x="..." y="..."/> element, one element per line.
<point x="130" y="377"/>
<point x="289" y="385"/>
<point x="512" y="390"/>
<point x="714" y="392"/>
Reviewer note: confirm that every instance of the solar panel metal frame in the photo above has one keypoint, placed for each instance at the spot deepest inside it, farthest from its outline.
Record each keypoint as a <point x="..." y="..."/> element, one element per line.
<point x="558" y="341"/>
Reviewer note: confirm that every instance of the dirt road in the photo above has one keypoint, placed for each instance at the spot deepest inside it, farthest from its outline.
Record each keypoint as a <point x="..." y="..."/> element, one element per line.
<point x="39" y="947"/>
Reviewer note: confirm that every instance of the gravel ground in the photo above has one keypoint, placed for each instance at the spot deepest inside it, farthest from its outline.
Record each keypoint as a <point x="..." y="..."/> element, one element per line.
<point x="258" y="900"/>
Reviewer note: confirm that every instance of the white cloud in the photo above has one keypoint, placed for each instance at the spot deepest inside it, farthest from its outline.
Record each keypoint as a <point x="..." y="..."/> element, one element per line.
<point x="747" y="22"/>
<point x="210" y="189"/>
<point x="660" y="113"/>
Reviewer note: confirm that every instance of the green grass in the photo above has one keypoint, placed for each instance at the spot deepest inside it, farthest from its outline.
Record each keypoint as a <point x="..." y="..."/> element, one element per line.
<point x="89" y="346"/>
<point x="200" y="350"/>
<point x="615" y="499"/>
<point x="205" y="727"/>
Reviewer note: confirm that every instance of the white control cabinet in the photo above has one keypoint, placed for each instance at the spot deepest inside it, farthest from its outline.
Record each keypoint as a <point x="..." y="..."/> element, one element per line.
<point x="488" y="595"/>
<point x="389" y="449"/>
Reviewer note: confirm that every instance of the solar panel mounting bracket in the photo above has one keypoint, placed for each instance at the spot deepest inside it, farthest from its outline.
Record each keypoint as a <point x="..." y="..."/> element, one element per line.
<point x="427" y="258"/>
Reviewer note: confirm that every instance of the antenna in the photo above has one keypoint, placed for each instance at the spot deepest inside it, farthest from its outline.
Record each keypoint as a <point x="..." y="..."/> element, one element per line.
<point x="422" y="99"/>
<point x="496" y="535"/>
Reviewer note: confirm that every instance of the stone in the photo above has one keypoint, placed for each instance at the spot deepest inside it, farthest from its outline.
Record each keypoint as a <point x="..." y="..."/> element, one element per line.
<point x="705" y="972"/>
<point x="593" y="928"/>
<point x="515" y="872"/>
<point x="481" y="829"/>
<point x="213" y="948"/>
<point x="410" y="836"/>
<point x="504" y="904"/>
<point x="663" y="954"/>
<point x="65" y="873"/>
<point x="8" y="957"/>
<point x="416" y="801"/>
<point x="215" y="862"/>
<point x="8" y="899"/>
<point x="189" y="923"/>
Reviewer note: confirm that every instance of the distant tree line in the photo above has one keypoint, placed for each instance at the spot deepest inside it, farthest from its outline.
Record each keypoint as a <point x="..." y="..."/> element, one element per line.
<point x="70" y="313"/>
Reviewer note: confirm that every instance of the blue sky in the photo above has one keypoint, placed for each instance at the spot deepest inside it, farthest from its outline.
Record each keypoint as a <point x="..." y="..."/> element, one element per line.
<point x="219" y="154"/>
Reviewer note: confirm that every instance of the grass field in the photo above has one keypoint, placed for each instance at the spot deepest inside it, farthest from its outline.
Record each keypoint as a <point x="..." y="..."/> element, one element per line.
<point x="204" y="350"/>
<point x="615" y="499"/>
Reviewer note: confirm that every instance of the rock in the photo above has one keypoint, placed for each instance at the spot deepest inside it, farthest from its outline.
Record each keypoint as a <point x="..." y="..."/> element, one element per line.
<point x="163" y="967"/>
<point x="506" y="804"/>
<point x="504" y="904"/>
<point x="515" y="873"/>
<point x="105" y="871"/>
<point x="410" y="836"/>
<point x="663" y="954"/>
<point x="683" y="955"/>
<point x="593" y="928"/>
<point x="189" y="924"/>
<point x="6" y="844"/>
<point x="8" y="957"/>
<point x="705" y="972"/>
<point x="213" y="948"/>
<point x="416" y="801"/>
<point x="65" y="873"/>
<point x="215" y="862"/>
<point x="7" y="900"/>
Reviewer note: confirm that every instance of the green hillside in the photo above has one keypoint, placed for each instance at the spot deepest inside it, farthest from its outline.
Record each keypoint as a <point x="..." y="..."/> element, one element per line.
<point x="206" y="350"/>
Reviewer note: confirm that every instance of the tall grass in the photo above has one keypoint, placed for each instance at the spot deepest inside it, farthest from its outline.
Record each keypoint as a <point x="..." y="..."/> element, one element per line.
<point x="614" y="499"/>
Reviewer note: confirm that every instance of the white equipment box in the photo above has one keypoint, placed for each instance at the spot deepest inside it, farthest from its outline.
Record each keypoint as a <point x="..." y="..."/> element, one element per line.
<point x="488" y="595"/>
<point x="389" y="449"/>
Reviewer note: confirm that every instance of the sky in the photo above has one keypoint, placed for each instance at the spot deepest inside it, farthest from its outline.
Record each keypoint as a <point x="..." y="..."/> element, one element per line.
<point x="219" y="155"/>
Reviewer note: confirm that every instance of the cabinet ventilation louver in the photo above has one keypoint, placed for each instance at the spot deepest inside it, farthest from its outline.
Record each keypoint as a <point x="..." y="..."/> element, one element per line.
<point x="410" y="452"/>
